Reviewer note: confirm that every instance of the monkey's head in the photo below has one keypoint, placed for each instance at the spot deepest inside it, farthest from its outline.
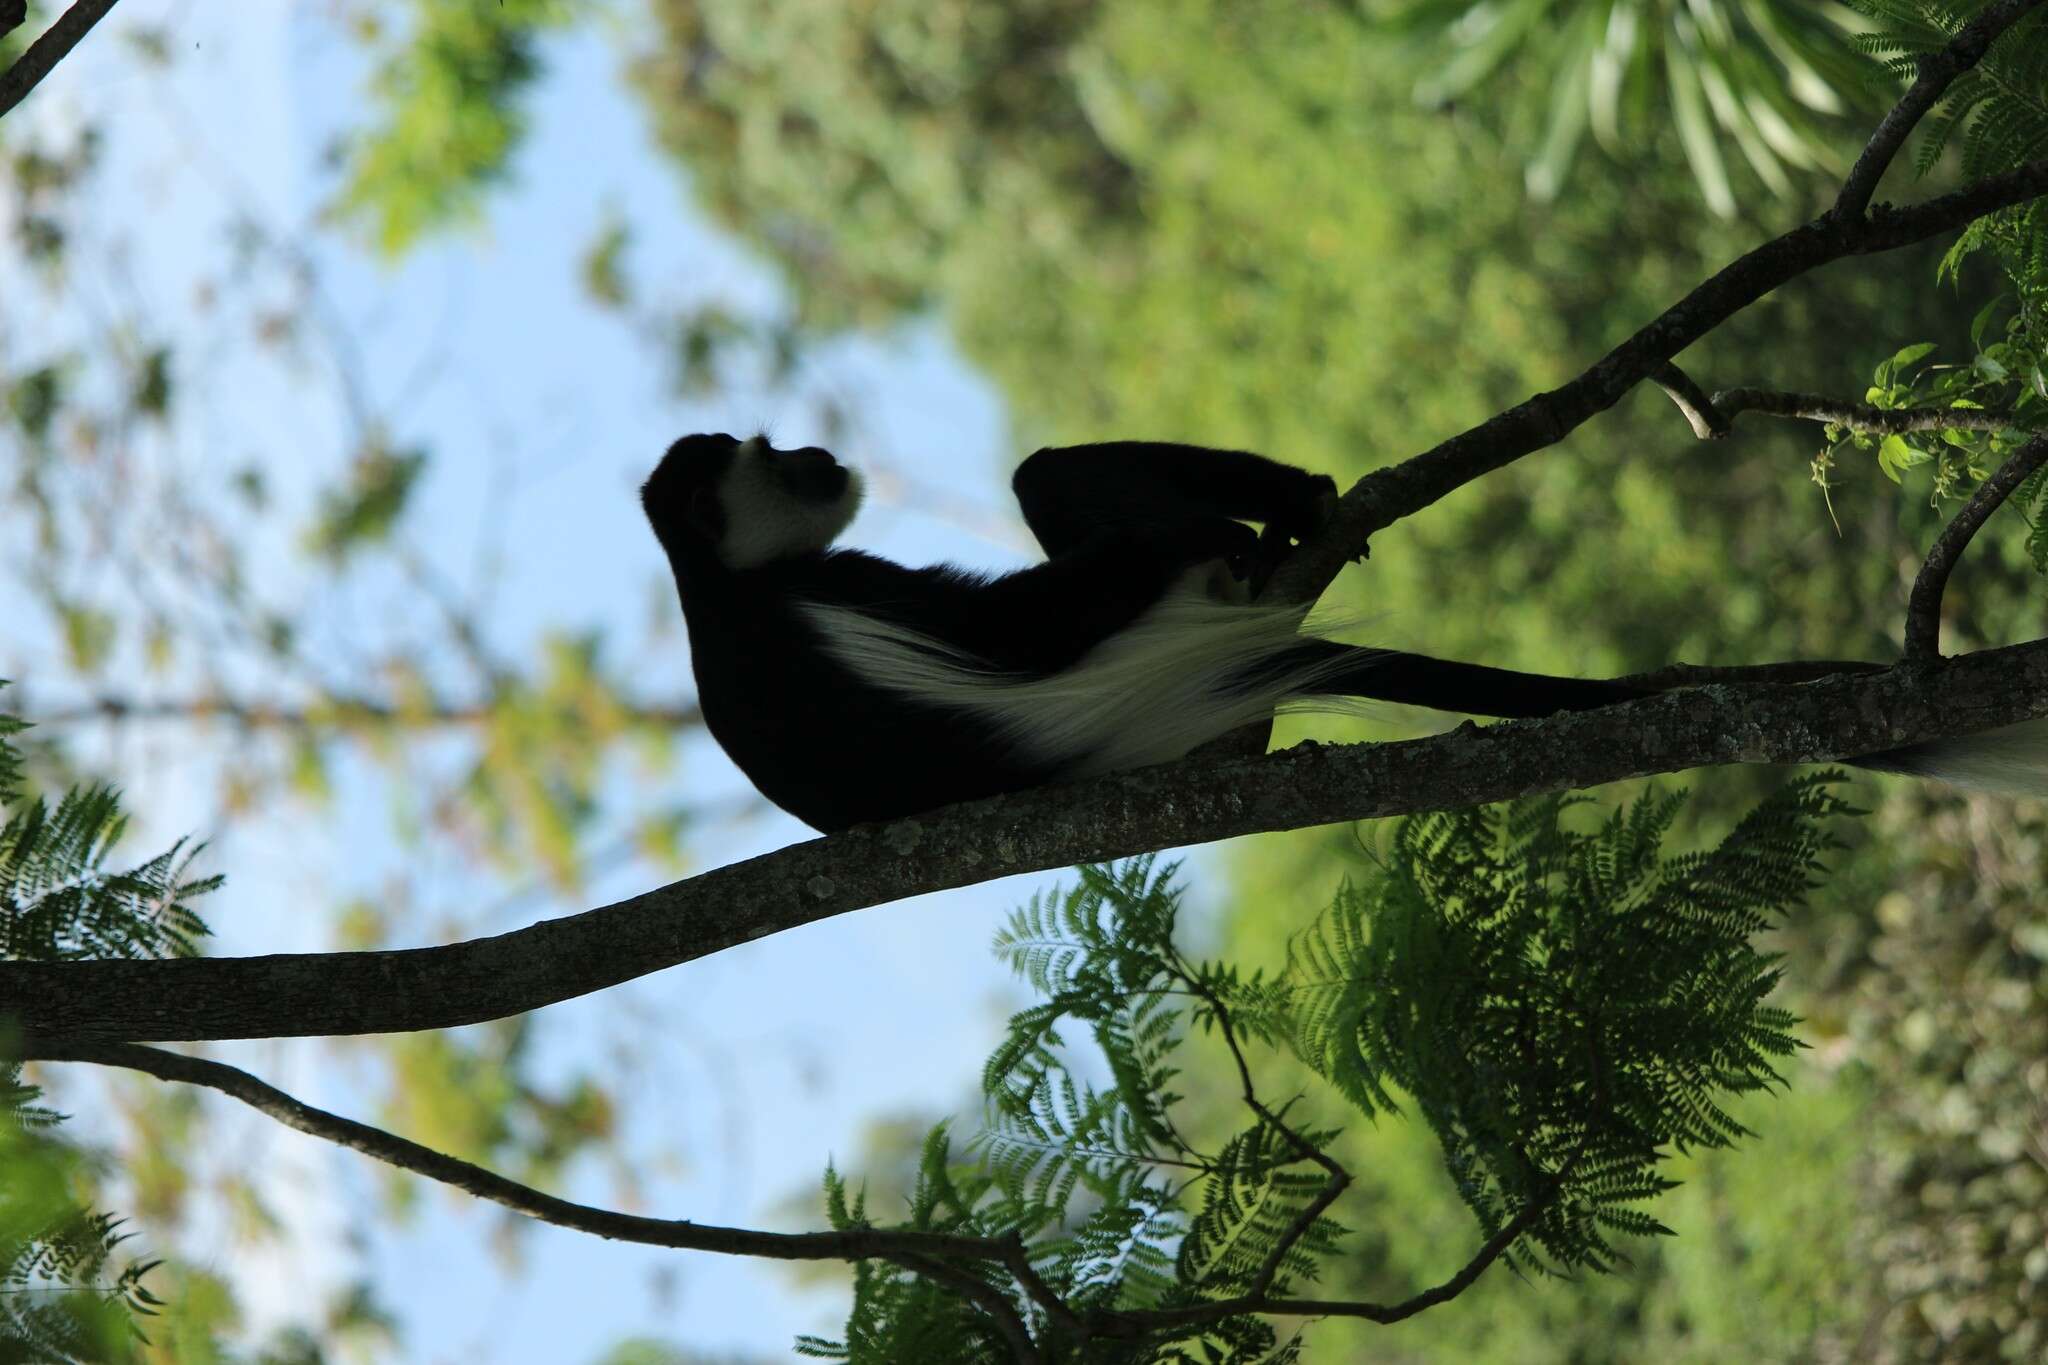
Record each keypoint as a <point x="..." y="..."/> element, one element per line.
<point x="745" y="503"/>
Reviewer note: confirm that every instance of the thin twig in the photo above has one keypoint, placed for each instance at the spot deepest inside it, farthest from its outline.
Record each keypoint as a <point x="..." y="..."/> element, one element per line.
<point x="1700" y="411"/>
<point x="1141" y="1321"/>
<point x="1923" y="608"/>
<point x="1339" y="1178"/>
<point x="46" y="51"/>
<point x="1814" y="407"/>
<point x="681" y="1234"/>
<point x="1937" y="71"/>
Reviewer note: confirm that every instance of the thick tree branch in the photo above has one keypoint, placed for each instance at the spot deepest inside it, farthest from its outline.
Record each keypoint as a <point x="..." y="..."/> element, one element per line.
<point x="1923" y="608"/>
<point x="1193" y="801"/>
<point x="46" y="51"/>
<point x="1938" y="70"/>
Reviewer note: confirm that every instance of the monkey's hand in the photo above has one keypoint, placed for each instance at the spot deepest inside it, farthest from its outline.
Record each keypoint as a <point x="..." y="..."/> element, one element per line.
<point x="1177" y="544"/>
<point x="1311" y="504"/>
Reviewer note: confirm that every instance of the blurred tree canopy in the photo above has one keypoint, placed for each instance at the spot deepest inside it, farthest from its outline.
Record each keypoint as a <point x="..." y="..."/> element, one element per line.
<point x="1247" y="232"/>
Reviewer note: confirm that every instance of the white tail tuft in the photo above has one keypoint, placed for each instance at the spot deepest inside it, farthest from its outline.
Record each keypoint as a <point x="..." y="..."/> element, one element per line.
<point x="1185" y="672"/>
<point x="2012" y="760"/>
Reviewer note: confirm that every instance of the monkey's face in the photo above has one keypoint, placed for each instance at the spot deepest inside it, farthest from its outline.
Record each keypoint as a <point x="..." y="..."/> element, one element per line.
<point x="747" y="502"/>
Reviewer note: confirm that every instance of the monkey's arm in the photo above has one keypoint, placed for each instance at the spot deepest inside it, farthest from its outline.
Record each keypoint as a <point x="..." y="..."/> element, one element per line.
<point x="1071" y="493"/>
<point x="1045" y="617"/>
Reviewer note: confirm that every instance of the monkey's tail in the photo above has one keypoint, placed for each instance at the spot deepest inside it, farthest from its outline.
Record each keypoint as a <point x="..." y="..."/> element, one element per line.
<point x="1440" y="684"/>
<point x="2012" y="760"/>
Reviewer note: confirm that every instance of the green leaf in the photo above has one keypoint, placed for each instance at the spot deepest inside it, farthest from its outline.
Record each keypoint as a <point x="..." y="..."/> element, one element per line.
<point x="1982" y="321"/>
<point x="364" y="511"/>
<point x="1895" y="455"/>
<point x="1907" y="355"/>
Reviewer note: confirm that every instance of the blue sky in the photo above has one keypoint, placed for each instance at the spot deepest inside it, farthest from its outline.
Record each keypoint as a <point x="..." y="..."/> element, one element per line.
<point x="543" y="414"/>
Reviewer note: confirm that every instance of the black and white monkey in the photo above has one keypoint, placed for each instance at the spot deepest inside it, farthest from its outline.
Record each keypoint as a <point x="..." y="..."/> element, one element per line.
<point x="850" y="688"/>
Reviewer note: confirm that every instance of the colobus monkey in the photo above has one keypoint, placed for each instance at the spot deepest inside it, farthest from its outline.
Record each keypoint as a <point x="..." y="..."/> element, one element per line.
<point x="850" y="688"/>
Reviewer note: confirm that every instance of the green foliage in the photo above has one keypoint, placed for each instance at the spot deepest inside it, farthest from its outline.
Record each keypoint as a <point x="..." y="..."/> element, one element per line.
<point x="1762" y="75"/>
<point x="1995" y="115"/>
<point x="363" y="511"/>
<point x="58" y="899"/>
<point x="1940" y="993"/>
<point x="448" y="97"/>
<point x="1565" y="1009"/>
<point x="62" y="1297"/>
<point x="893" y="125"/>
<point x="2008" y="372"/>
<point x="1562" y="1007"/>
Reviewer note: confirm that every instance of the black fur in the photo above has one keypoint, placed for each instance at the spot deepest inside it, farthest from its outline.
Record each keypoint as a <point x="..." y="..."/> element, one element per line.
<point x="1120" y="523"/>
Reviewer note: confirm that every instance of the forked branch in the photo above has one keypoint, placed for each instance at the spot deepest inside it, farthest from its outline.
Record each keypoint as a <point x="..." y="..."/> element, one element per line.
<point x="1386" y="495"/>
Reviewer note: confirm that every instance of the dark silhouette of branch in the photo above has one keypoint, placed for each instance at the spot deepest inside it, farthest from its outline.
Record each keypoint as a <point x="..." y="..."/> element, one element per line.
<point x="1386" y="495"/>
<point x="1139" y="1322"/>
<point x="13" y="14"/>
<point x="1937" y="71"/>
<point x="1193" y="801"/>
<point x="1712" y="417"/>
<point x="855" y="1244"/>
<point x="46" y="51"/>
<point x="1923" y="607"/>
<point x="935" y="1255"/>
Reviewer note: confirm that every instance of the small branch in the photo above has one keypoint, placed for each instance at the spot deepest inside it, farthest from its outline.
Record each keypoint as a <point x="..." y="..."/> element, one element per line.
<point x="45" y="52"/>
<point x="1138" y="1322"/>
<point x="1923" y="608"/>
<point x="923" y="1253"/>
<point x="1700" y="411"/>
<point x="1339" y="1178"/>
<point x="1386" y="495"/>
<point x="853" y="1245"/>
<point x="1813" y="407"/>
<point x="1938" y="70"/>
<point x="13" y="14"/>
